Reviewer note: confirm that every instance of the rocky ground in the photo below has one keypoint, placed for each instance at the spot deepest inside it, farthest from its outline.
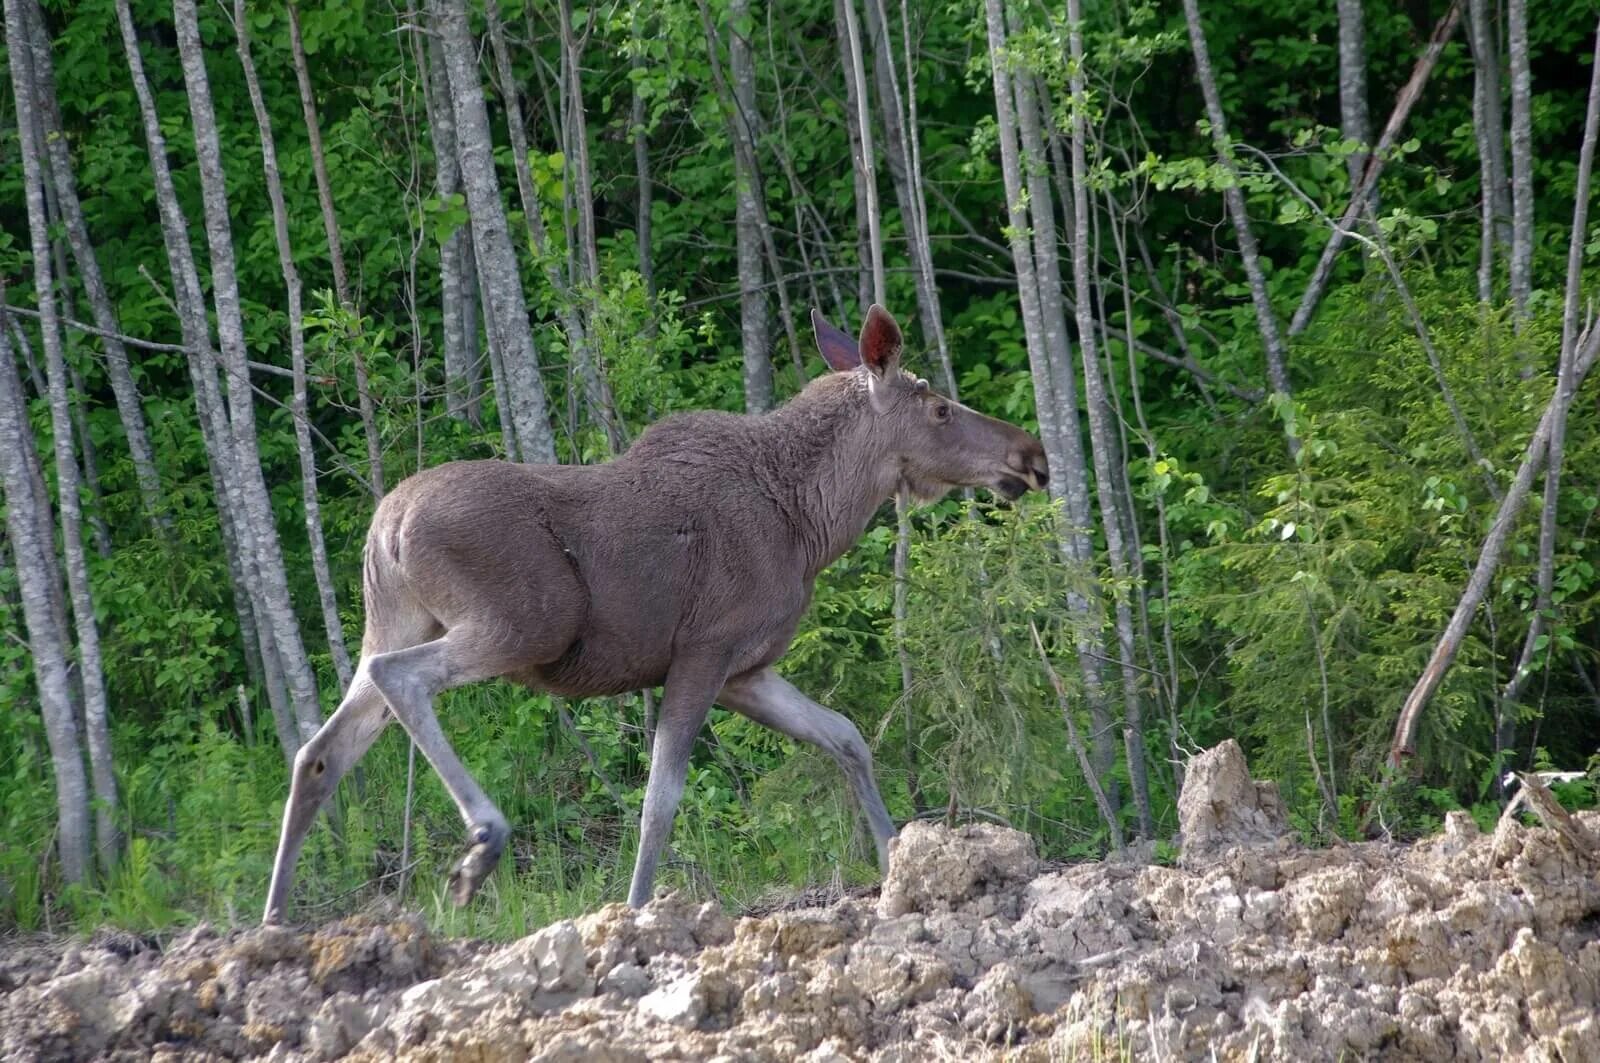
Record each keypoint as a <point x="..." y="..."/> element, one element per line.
<point x="1463" y="946"/>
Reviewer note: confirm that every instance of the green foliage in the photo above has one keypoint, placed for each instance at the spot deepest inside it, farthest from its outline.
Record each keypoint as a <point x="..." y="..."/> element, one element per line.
<point x="1302" y="597"/>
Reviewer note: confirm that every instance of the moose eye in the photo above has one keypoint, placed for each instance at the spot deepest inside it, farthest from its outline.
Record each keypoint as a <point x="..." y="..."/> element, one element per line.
<point x="942" y="411"/>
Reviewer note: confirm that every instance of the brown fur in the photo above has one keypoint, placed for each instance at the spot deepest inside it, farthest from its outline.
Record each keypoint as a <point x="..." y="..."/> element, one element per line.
<point x="687" y="562"/>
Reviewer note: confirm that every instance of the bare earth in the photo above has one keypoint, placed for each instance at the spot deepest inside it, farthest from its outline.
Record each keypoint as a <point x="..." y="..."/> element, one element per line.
<point x="1464" y="946"/>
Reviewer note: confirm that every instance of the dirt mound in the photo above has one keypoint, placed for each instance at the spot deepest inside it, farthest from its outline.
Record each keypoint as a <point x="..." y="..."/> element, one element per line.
<point x="1465" y="946"/>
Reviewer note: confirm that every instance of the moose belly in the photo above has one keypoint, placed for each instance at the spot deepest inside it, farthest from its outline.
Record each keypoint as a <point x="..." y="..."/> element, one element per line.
<point x="596" y="669"/>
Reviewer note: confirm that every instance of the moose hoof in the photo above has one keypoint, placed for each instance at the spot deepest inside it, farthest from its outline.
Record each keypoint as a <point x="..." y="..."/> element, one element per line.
<point x="488" y="842"/>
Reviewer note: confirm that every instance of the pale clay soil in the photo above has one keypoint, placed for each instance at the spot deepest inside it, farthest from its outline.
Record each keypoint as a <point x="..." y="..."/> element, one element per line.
<point x="1464" y="946"/>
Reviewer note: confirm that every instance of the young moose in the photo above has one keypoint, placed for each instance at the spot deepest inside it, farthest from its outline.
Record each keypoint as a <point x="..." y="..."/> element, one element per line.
<point x="687" y="562"/>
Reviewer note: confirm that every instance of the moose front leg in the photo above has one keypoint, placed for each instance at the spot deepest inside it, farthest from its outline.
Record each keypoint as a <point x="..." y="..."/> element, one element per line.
<point x="772" y="701"/>
<point x="687" y="698"/>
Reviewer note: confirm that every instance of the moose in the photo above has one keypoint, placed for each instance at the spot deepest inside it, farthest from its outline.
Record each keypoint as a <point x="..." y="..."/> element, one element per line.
<point x="685" y="563"/>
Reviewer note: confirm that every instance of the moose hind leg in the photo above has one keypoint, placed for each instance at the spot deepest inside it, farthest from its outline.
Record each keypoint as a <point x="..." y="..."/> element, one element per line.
<point x="772" y="701"/>
<point x="319" y="765"/>
<point x="409" y="680"/>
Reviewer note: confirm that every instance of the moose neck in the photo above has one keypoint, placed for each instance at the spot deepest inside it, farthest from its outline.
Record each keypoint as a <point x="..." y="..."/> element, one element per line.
<point x="832" y="470"/>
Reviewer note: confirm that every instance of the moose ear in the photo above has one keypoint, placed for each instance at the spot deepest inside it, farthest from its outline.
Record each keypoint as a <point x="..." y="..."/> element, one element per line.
<point x="880" y="341"/>
<point x="837" y="348"/>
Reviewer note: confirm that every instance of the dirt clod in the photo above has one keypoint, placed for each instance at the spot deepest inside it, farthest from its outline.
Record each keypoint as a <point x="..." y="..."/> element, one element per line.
<point x="1464" y="946"/>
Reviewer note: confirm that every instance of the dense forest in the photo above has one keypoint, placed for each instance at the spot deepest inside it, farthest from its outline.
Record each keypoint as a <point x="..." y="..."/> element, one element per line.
<point x="1297" y="296"/>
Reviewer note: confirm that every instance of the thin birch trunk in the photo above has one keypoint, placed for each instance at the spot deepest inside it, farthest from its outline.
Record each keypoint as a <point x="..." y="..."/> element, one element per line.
<point x="1521" y="171"/>
<point x="591" y="376"/>
<point x="91" y="677"/>
<point x="898" y="153"/>
<point x="222" y="460"/>
<point x="279" y="609"/>
<point x="1353" y="121"/>
<point x="34" y="562"/>
<point x="867" y="160"/>
<point x="852" y="121"/>
<point x="341" y="279"/>
<point x="1233" y="196"/>
<point x="455" y="258"/>
<point x="1403" y="103"/>
<point x="744" y="123"/>
<point x="129" y="408"/>
<point x="297" y="353"/>
<point x="1494" y="192"/>
<point x="506" y="314"/>
<point x="1444" y="653"/>
<point x="753" y="326"/>
<point x="640" y="134"/>
<point x="1102" y="433"/>
<point x="1055" y="392"/>
<point x="1544" y="606"/>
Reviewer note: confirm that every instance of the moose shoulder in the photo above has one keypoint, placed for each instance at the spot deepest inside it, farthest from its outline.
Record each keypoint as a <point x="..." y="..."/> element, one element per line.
<point x="685" y="563"/>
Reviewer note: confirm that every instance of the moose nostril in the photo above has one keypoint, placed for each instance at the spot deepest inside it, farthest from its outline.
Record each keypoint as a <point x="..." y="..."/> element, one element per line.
<point x="1043" y="474"/>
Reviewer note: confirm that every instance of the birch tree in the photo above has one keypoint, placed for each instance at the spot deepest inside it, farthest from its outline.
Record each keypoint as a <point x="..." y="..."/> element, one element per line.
<point x="506" y="311"/>
<point x="1050" y="365"/>
<point x="1106" y="449"/>
<point x="130" y="409"/>
<point x="91" y="677"/>
<point x="753" y="327"/>
<point x="341" y="279"/>
<point x="1521" y="166"/>
<point x="331" y="623"/>
<point x="34" y="561"/>
<point x="279" y="610"/>
<point x="1233" y="197"/>
<point x="456" y="261"/>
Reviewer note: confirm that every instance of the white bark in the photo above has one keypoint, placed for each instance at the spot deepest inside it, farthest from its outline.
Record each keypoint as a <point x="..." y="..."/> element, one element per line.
<point x="238" y="541"/>
<point x="507" y="311"/>
<point x="97" y="732"/>
<point x="35" y="565"/>
<point x="123" y="387"/>
<point x="341" y="280"/>
<point x="753" y="326"/>
<point x="1521" y="165"/>
<point x="1102" y="432"/>
<point x="276" y="605"/>
<point x="331" y="623"/>
<point x="456" y="262"/>
<point x="1233" y="196"/>
<point x="1050" y="363"/>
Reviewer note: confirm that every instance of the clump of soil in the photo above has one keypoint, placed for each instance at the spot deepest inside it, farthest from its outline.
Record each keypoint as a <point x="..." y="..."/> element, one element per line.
<point x="1464" y="946"/>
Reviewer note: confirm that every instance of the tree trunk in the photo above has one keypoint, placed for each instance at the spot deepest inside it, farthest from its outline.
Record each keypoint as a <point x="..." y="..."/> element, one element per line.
<point x="1233" y="196"/>
<point x="1359" y="195"/>
<point x="1444" y="652"/>
<point x="1521" y="171"/>
<point x="507" y="312"/>
<point x="1106" y="447"/>
<point x="341" y="280"/>
<point x="297" y="353"/>
<point x="1055" y="391"/>
<point x="107" y="843"/>
<point x="640" y="134"/>
<point x="455" y="257"/>
<point x="35" y="565"/>
<point x="1353" y="121"/>
<point x="1544" y="606"/>
<point x="126" y="392"/>
<point x="278" y="608"/>
<point x="222" y="460"/>
<point x="852" y="121"/>
<point x="867" y="160"/>
<point x="591" y="376"/>
<point x="1494" y="193"/>
<point x="753" y="327"/>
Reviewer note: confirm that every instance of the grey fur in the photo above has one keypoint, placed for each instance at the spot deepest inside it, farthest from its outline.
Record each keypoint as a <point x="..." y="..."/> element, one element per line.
<point x="687" y="562"/>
